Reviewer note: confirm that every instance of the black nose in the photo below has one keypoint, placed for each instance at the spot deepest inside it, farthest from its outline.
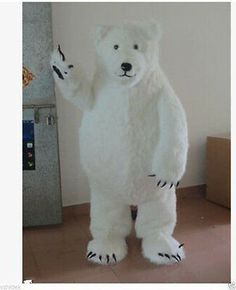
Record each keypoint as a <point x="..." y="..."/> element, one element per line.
<point x="126" y="66"/>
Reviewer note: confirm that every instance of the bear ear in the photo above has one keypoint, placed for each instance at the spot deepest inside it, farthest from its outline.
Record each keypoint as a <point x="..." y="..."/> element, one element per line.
<point x="153" y="30"/>
<point x="101" y="32"/>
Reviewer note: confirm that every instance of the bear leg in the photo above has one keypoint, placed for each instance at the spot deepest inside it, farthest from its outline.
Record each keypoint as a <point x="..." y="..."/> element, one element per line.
<point x="110" y="223"/>
<point x="155" y="224"/>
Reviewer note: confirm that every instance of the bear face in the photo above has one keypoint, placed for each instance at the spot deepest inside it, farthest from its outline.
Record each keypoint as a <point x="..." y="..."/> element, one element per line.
<point x="127" y="53"/>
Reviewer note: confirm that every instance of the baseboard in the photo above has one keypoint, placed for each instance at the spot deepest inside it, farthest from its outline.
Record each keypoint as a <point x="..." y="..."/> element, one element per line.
<point x="84" y="209"/>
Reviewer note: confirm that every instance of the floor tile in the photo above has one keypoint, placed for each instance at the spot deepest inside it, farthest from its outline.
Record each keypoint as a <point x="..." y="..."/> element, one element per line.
<point x="63" y="266"/>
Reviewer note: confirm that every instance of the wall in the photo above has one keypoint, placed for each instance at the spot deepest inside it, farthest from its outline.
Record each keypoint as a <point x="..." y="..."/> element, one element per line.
<point x="195" y="54"/>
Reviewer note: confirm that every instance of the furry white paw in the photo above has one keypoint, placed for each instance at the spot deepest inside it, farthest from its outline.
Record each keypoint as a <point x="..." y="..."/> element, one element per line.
<point x="106" y="251"/>
<point x="62" y="71"/>
<point x="163" y="183"/>
<point x="163" y="250"/>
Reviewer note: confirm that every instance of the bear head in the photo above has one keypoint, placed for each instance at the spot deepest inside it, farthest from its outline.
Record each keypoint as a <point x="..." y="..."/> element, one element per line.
<point x="127" y="53"/>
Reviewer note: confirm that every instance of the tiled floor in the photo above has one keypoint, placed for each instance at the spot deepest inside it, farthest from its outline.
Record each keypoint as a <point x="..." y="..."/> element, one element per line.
<point x="57" y="253"/>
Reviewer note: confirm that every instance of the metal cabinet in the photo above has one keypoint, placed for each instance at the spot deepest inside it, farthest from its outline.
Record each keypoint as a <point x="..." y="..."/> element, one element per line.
<point x="41" y="172"/>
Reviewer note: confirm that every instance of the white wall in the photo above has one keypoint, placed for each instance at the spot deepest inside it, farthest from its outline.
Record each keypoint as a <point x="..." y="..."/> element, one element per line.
<point x="195" y="54"/>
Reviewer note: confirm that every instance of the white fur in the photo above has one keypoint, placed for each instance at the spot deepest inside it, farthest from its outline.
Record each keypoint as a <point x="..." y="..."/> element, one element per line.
<point x="131" y="128"/>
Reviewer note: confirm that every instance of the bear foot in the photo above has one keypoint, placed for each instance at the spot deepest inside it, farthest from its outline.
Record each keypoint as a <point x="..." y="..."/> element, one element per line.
<point x="106" y="251"/>
<point x="163" y="250"/>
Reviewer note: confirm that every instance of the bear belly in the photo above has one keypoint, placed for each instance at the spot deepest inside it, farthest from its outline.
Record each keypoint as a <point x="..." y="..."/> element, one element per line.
<point x="116" y="152"/>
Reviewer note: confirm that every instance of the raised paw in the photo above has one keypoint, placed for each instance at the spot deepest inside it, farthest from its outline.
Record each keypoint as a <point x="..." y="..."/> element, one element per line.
<point x="162" y="183"/>
<point x="61" y="69"/>
<point x="106" y="252"/>
<point x="163" y="250"/>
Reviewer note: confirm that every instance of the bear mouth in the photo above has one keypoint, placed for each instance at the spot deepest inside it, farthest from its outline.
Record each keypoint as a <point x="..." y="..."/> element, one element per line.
<point x="128" y="76"/>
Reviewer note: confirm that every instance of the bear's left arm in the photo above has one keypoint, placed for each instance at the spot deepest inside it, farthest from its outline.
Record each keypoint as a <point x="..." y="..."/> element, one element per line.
<point x="170" y="156"/>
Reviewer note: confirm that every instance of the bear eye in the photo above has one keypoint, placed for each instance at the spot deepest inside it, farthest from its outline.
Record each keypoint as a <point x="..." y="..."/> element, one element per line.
<point x="135" y="46"/>
<point x="116" y="46"/>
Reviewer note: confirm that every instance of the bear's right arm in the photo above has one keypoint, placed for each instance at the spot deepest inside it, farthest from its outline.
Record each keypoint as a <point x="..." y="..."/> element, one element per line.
<point x="71" y="81"/>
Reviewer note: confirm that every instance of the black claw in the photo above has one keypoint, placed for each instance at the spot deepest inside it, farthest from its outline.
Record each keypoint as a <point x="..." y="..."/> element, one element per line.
<point x="160" y="254"/>
<point x="171" y="185"/>
<point x="58" y="72"/>
<point x="90" y="253"/>
<point x="177" y="184"/>
<point x="133" y="214"/>
<point x="181" y="245"/>
<point x="175" y="258"/>
<point x="167" y="256"/>
<point x="179" y="257"/>
<point x="100" y="258"/>
<point x="158" y="182"/>
<point x="93" y="255"/>
<point x="114" y="257"/>
<point x="108" y="259"/>
<point x="163" y="184"/>
<point x="61" y="53"/>
<point x="152" y="175"/>
<point x="70" y="66"/>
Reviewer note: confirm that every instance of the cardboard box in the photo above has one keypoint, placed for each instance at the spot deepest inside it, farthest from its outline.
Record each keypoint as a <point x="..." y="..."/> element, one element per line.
<point x="218" y="169"/>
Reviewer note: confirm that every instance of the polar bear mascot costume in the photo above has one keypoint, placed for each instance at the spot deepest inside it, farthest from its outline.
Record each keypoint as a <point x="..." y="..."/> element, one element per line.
<point x="133" y="142"/>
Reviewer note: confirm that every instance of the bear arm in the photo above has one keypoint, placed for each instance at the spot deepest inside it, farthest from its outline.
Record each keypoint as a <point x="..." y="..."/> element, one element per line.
<point x="78" y="90"/>
<point x="71" y="81"/>
<point x="170" y="156"/>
